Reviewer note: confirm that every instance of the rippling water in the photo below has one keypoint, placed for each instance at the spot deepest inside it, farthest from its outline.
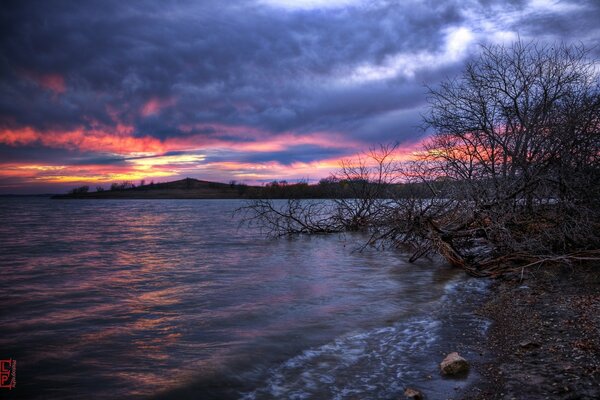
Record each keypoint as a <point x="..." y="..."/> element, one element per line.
<point x="171" y="299"/>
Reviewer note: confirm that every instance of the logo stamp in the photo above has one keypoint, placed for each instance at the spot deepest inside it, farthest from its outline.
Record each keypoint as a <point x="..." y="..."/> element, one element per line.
<point x="8" y="373"/>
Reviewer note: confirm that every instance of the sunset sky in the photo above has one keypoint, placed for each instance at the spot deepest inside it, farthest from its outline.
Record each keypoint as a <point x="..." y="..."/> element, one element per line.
<point x="250" y="90"/>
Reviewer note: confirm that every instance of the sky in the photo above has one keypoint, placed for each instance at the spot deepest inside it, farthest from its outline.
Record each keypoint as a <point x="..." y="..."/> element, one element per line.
<point x="94" y="92"/>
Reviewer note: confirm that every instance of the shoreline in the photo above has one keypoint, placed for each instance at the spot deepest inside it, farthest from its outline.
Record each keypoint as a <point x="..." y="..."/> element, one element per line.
<point x="544" y="337"/>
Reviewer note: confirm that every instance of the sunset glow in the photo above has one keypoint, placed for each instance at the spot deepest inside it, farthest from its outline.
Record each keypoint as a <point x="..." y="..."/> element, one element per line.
<point x="252" y="91"/>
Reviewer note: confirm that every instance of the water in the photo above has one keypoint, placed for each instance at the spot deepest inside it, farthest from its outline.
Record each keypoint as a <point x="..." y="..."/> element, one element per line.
<point x="172" y="299"/>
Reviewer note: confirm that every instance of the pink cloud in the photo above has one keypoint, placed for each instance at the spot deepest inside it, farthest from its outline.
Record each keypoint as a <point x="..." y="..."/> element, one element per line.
<point x="257" y="140"/>
<point x="155" y="105"/>
<point x="120" y="139"/>
<point x="54" y="82"/>
<point x="50" y="81"/>
<point x="114" y="140"/>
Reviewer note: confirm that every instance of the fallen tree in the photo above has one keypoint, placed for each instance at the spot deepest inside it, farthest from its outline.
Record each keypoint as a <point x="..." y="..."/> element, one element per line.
<point x="511" y="170"/>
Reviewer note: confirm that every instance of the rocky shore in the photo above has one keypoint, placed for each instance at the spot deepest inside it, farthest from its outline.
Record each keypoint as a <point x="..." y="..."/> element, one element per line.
<point x="544" y="340"/>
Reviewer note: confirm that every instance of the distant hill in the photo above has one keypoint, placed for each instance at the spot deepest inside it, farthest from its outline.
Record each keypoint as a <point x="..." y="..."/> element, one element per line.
<point x="182" y="189"/>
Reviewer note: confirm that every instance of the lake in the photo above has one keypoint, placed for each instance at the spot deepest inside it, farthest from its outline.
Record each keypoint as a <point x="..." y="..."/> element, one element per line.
<point x="173" y="299"/>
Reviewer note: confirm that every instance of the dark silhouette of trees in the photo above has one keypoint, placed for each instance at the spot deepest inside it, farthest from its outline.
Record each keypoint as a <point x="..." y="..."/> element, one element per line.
<point x="122" y="186"/>
<point x="517" y="139"/>
<point x="518" y="123"/>
<point x="79" y="190"/>
<point x="351" y="200"/>
<point x="510" y="175"/>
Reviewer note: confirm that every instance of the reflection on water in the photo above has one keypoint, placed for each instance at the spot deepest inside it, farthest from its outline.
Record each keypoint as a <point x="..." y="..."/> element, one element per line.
<point x="107" y="299"/>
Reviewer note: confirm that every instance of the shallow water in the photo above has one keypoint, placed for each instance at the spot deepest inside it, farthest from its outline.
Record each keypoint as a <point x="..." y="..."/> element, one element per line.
<point x="171" y="298"/>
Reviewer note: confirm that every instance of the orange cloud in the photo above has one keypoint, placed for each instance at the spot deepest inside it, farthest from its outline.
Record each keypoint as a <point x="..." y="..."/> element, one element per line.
<point x="117" y="140"/>
<point x="148" y="157"/>
<point x="171" y="167"/>
<point x="120" y="140"/>
<point x="76" y="174"/>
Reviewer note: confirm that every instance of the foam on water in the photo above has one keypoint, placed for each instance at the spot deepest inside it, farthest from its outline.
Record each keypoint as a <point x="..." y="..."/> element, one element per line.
<point x="377" y="363"/>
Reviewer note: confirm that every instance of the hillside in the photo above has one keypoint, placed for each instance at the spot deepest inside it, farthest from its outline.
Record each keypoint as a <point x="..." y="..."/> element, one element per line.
<point x="182" y="189"/>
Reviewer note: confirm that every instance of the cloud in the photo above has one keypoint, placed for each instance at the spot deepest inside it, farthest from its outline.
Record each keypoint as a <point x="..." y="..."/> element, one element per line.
<point x="155" y="105"/>
<point x="116" y="140"/>
<point x="310" y="4"/>
<point x="269" y="78"/>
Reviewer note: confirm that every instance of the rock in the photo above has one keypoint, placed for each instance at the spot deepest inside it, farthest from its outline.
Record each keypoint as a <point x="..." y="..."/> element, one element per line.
<point x="454" y="364"/>
<point x="528" y="344"/>
<point x="414" y="394"/>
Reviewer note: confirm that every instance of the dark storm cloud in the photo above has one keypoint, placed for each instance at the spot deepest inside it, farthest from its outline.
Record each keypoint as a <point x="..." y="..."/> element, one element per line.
<point x="229" y="63"/>
<point x="160" y="67"/>
<point x="33" y="154"/>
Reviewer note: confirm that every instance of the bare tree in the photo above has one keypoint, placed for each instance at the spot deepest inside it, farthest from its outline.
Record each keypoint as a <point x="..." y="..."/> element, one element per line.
<point x="517" y="137"/>
<point x="292" y="216"/>
<point x="512" y="117"/>
<point x="510" y="175"/>
<point x="357" y="192"/>
<point x="365" y="186"/>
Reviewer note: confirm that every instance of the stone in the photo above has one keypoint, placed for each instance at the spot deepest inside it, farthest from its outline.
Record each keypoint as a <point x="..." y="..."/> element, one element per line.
<point x="454" y="364"/>
<point x="528" y="344"/>
<point x="414" y="394"/>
